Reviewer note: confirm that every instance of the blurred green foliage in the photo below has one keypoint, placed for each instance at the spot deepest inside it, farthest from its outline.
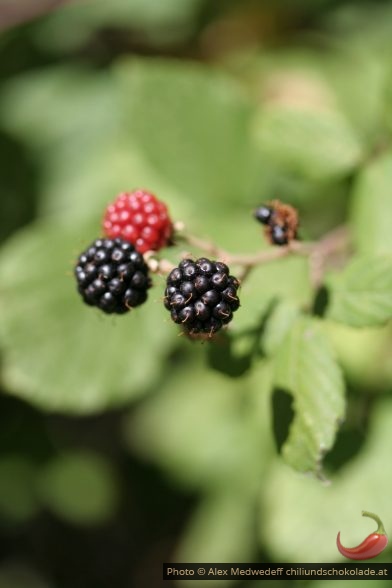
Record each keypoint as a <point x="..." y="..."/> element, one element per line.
<point x="129" y="445"/>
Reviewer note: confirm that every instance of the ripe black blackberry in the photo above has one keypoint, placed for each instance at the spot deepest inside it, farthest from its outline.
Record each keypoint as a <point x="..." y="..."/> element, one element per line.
<point x="112" y="275"/>
<point x="201" y="295"/>
<point x="280" y="220"/>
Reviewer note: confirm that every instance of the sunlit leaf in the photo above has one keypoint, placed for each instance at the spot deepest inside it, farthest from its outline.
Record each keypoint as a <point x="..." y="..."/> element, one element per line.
<point x="372" y="207"/>
<point x="60" y="353"/>
<point x="316" y="144"/>
<point x="361" y="295"/>
<point x="307" y="369"/>
<point x="298" y="507"/>
<point x="192" y="125"/>
<point x="79" y="487"/>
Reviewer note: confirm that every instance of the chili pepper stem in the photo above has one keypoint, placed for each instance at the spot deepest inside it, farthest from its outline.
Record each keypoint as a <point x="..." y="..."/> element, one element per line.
<point x="380" y="529"/>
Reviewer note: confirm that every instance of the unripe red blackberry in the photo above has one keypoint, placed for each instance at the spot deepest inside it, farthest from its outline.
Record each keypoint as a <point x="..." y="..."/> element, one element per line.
<point x="201" y="295"/>
<point x="112" y="275"/>
<point x="140" y="218"/>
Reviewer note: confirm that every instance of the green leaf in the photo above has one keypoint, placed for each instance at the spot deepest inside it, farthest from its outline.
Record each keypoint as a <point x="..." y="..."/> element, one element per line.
<point x="364" y="354"/>
<point x="222" y="529"/>
<point x="265" y="286"/>
<point x="59" y="353"/>
<point x="80" y="488"/>
<point x="18" y="500"/>
<point x="315" y="144"/>
<point x="361" y="295"/>
<point x="105" y="126"/>
<point x="306" y="368"/>
<point x="192" y="125"/>
<point x="371" y="210"/>
<point x="282" y="317"/>
<point x="71" y="25"/>
<point x="300" y="518"/>
<point x="205" y="430"/>
<point x="67" y="105"/>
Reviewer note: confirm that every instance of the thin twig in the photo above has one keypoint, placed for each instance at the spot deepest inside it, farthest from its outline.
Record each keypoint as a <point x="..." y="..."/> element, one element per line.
<point x="246" y="259"/>
<point x="318" y="253"/>
<point x="332" y="243"/>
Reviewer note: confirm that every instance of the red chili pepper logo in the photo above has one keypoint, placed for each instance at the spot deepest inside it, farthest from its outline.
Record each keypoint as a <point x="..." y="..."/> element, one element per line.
<point x="370" y="547"/>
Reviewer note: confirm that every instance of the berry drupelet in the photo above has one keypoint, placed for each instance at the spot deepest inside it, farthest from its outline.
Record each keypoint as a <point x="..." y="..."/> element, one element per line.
<point x="201" y="295"/>
<point x="112" y="275"/>
<point x="263" y="214"/>
<point x="140" y="218"/>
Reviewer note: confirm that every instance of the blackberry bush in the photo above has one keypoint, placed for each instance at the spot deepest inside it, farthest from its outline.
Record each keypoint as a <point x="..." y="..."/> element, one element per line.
<point x="112" y="275"/>
<point x="140" y="218"/>
<point x="201" y="295"/>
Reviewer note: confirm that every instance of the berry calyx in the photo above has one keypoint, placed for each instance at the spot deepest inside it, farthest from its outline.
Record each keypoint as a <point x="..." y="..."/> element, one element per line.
<point x="201" y="295"/>
<point x="139" y="218"/>
<point x="112" y="275"/>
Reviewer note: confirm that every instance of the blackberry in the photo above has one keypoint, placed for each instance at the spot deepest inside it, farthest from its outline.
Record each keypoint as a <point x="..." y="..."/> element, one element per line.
<point x="112" y="275"/>
<point x="264" y="214"/>
<point x="201" y="295"/>
<point x="280" y="220"/>
<point x="140" y="218"/>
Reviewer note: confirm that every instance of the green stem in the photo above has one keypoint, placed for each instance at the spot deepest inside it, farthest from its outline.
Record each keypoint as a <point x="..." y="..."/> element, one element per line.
<point x="380" y="528"/>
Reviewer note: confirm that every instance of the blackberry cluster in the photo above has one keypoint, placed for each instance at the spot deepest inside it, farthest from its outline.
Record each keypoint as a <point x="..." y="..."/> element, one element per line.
<point x="280" y="220"/>
<point x="112" y="275"/>
<point x="201" y="295"/>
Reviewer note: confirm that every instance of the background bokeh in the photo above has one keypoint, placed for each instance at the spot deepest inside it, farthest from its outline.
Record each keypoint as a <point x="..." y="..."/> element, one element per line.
<point x="123" y="445"/>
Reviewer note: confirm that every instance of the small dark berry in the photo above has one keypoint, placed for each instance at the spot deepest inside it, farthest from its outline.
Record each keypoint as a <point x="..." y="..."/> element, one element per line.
<point x="211" y="297"/>
<point x="230" y="295"/>
<point x="187" y="314"/>
<point x="175" y="276"/>
<point x="263" y="214"/>
<point x="170" y="291"/>
<point x="116" y="286"/>
<point x="222" y="268"/>
<point x="112" y="276"/>
<point x="106" y="271"/>
<point x="118" y="255"/>
<point x="279" y="235"/>
<point x="136" y="257"/>
<point x="139" y="280"/>
<point x="190" y="270"/>
<point x="184" y="262"/>
<point x="177" y="301"/>
<point x="222" y="310"/>
<point x="174" y="316"/>
<point x="202" y="311"/>
<point x="202" y="284"/>
<point x="187" y="289"/>
<point x="219" y="281"/>
<point x="206" y="268"/>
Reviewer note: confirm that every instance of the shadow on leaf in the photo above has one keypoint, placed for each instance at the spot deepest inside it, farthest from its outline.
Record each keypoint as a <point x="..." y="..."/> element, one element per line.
<point x="233" y="354"/>
<point x="354" y="432"/>
<point x="282" y="416"/>
<point x="321" y="302"/>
